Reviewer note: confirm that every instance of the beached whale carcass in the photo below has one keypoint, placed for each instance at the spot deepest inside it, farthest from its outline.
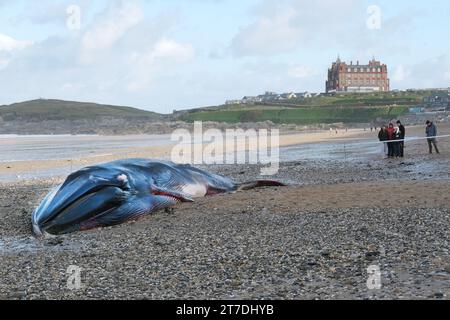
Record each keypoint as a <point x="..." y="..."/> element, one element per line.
<point x="124" y="190"/>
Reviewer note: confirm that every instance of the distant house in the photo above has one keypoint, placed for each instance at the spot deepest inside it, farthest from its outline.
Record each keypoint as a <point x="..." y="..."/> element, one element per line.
<point x="304" y="95"/>
<point x="439" y="101"/>
<point x="288" y="96"/>
<point x="248" y="100"/>
<point x="269" y="96"/>
<point x="231" y="102"/>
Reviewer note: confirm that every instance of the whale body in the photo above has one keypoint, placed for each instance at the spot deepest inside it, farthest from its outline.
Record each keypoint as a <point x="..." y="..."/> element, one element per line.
<point x="119" y="191"/>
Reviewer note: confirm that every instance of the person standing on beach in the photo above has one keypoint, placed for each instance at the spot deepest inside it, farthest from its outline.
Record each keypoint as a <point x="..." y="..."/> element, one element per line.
<point x="431" y="131"/>
<point x="383" y="137"/>
<point x="402" y="129"/>
<point x="397" y="142"/>
<point x="391" y="136"/>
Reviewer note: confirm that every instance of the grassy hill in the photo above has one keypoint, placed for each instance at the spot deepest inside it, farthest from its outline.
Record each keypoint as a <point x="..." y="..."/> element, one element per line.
<point x="400" y="98"/>
<point x="41" y="110"/>
<point x="57" y="116"/>
<point x="346" y="107"/>
<point x="297" y="115"/>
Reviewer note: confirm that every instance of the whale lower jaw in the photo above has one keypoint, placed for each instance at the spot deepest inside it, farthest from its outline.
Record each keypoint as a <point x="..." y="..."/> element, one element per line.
<point x="41" y="234"/>
<point x="37" y="231"/>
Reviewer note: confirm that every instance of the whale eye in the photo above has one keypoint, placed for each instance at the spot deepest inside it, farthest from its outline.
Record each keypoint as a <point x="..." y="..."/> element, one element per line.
<point x="122" y="178"/>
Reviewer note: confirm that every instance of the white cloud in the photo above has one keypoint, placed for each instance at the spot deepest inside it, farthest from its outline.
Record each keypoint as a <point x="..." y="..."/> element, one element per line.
<point x="401" y="73"/>
<point x="43" y="12"/>
<point x="301" y="72"/>
<point x="166" y="48"/>
<point x="8" y="44"/>
<point x="285" y="26"/>
<point x="3" y="63"/>
<point x="447" y="75"/>
<point x="430" y="73"/>
<point x="9" y="47"/>
<point x="165" y="55"/>
<point x="257" y="77"/>
<point x="124" y="57"/>
<point x="115" y="60"/>
<point x="282" y="26"/>
<point x="268" y="35"/>
<point x="109" y="28"/>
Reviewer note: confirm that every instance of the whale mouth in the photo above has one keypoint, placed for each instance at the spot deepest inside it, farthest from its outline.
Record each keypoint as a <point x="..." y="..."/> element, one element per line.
<point x="76" y="202"/>
<point x="73" y="201"/>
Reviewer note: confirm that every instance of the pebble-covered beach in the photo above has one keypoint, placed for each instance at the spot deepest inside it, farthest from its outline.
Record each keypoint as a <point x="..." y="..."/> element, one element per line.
<point x="314" y="239"/>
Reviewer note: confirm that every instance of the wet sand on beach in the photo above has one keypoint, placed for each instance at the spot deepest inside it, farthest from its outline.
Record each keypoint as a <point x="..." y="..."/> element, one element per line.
<point x="314" y="239"/>
<point x="26" y="169"/>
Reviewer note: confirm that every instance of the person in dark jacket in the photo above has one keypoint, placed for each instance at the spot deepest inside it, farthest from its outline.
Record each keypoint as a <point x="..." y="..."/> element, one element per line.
<point x="431" y="131"/>
<point x="397" y="142"/>
<point x="391" y="136"/>
<point x="383" y="137"/>
<point x="401" y="146"/>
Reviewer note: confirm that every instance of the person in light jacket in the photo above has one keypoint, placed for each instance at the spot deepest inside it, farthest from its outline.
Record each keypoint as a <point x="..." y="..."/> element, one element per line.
<point x="402" y="129"/>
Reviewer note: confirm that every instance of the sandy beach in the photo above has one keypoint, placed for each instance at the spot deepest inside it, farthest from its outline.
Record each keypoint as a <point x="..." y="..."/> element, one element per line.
<point x="98" y="149"/>
<point x="314" y="239"/>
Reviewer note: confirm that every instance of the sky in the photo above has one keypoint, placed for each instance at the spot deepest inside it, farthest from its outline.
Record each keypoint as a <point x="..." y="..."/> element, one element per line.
<point x="165" y="55"/>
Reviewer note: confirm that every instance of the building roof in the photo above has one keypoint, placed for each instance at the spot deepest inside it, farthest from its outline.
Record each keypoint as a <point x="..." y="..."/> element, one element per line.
<point x="372" y="63"/>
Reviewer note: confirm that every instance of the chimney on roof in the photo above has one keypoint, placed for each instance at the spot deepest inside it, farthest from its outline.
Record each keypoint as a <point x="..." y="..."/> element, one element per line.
<point x="357" y="63"/>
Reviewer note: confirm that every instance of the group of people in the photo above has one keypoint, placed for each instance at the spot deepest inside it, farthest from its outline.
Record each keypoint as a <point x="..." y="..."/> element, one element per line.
<point x="394" y="139"/>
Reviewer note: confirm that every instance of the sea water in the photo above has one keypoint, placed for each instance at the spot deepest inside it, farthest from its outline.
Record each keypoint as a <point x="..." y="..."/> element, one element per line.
<point x="66" y="147"/>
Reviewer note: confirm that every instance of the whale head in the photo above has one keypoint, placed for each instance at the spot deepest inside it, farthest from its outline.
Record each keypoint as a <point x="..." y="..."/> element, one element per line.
<point x="90" y="198"/>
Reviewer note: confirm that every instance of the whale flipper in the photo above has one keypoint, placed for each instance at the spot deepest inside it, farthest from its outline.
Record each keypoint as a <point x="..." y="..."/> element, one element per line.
<point x="180" y="196"/>
<point x="259" y="184"/>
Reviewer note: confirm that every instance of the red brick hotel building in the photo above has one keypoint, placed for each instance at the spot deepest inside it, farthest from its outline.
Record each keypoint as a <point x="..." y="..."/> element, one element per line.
<point x="343" y="77"/>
